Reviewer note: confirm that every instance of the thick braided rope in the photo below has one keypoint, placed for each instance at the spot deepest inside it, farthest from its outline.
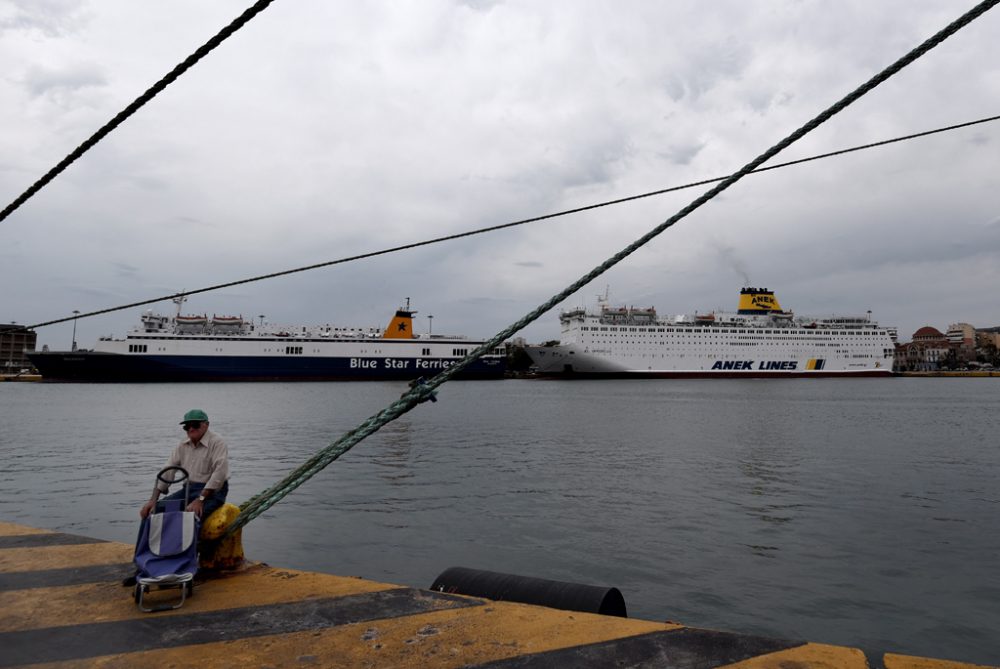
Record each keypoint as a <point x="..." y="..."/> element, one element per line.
<point x="266" y="499"/>
<point x="150" y="93"/>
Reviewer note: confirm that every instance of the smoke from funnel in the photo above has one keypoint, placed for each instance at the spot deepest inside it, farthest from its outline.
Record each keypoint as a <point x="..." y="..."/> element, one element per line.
<point x="728" y="254"/>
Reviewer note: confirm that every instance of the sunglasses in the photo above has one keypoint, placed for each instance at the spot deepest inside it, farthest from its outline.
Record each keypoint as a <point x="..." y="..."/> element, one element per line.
<point x="191" y="426"/>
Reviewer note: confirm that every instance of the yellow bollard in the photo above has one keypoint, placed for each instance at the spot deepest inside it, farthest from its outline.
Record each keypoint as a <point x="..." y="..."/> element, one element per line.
<point x="226" y="553"/>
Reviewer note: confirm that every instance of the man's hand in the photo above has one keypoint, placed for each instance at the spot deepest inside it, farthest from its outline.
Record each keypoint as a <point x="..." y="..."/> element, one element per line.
<point x="147" y="508"/>
<point x="196" y="506"/>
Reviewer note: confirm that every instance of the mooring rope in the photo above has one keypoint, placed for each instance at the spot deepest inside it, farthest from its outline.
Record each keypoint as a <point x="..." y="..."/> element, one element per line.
<point x="501" y="226"/>
<point x="423" y="391"/>
<point x="134" y="106"/>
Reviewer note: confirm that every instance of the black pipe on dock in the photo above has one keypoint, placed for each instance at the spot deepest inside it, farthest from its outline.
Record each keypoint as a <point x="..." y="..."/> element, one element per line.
<point x="528" y="590"/>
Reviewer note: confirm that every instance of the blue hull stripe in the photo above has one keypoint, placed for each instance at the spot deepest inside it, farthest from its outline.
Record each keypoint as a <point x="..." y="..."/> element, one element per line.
<point x="91" y="366"/>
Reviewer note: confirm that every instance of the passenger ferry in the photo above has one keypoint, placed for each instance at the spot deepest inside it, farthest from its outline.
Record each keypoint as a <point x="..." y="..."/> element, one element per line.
<point x="758" y="340"/>
<point x="229" y="348"/>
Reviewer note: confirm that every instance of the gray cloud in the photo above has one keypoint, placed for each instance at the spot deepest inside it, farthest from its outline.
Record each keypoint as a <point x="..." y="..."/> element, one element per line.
<point x="63" y="81"/>
<point x="51" y="18"/>
<point x="324" y="131"/>
<point x="126" y="271"/>
<point x="481" y="5"/>
<point x="683" y="154"/>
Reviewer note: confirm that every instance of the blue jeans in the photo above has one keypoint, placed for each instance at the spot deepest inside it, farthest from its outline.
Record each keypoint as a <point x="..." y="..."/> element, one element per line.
<point x="194" y="489"/>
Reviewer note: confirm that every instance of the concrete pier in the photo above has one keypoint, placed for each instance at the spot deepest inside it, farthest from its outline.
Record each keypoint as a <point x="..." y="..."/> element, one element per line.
<point x="62" y="605"/>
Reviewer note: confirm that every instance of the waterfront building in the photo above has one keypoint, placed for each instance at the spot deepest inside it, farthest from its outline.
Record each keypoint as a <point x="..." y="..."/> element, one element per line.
<point x="962" y="346"/>
<point x="925" y="353"/>
<point x="989" y="338"/>
<point x="15" y="341"/>
<point x="962" y="342"/>
<point x="988" y="347"/>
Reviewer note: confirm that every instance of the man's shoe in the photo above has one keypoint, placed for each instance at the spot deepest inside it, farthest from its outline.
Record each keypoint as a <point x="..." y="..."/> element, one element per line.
<point x="129" y="582"/>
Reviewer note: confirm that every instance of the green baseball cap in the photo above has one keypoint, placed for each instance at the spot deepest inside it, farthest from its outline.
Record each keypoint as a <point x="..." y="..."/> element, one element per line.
<point x="193" y="415"/>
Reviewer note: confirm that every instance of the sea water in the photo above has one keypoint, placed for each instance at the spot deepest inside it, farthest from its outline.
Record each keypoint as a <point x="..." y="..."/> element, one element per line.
<point x="855" y="512"/>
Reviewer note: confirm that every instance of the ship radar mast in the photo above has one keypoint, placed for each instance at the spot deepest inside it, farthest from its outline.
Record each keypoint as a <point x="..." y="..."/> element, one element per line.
<point x="602" y="300"/>
<point x="179" y="300"/>
<point x="407" y="308"/>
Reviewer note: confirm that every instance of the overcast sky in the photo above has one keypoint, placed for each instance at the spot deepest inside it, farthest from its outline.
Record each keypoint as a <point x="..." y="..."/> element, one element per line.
<point x="328" y="129"/>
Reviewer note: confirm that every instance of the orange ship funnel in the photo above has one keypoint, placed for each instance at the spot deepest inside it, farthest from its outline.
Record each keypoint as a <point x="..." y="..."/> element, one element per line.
<point x="401" y="325"/>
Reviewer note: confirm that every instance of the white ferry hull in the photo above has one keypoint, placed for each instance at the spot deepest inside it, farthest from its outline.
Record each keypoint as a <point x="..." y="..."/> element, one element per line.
<point x="570" y="361"/>
<point x="760" y="340"/>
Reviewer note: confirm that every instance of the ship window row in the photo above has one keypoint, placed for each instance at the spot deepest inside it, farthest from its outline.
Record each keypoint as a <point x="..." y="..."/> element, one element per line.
<point x="774" y="337"/>
<point x="812" y="341"/>
<point x="299" y="350"/>
<point x="462" y="352"/>
<point x="241" y="338"/>
<point x="628" y="347"/>
<point x="367" y="340"/>
<point x="809" y="332"/>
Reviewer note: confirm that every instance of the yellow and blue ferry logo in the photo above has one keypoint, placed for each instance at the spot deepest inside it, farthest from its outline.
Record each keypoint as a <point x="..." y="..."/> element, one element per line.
<point x="758" y="301"/>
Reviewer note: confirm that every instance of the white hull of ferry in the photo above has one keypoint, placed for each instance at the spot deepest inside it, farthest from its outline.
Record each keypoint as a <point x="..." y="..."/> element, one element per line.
<point x="760" y="340"/>
<point x="656" y="362"/>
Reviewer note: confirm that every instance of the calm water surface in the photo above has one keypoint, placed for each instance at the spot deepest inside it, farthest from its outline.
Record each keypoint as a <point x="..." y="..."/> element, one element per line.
<point x="857" y="512"/>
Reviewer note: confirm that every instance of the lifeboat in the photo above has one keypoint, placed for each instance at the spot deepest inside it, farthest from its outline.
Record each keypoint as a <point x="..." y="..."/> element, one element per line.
<point x="192" y="320"/>
<point x="227" y="320"/>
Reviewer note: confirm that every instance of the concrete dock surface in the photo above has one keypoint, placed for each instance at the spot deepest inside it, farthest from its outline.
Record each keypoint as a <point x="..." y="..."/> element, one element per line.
<point x="62" y="605"/>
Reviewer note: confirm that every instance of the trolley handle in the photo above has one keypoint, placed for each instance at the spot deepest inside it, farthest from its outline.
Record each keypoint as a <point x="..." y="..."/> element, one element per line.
<point x="183" y="477"/>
